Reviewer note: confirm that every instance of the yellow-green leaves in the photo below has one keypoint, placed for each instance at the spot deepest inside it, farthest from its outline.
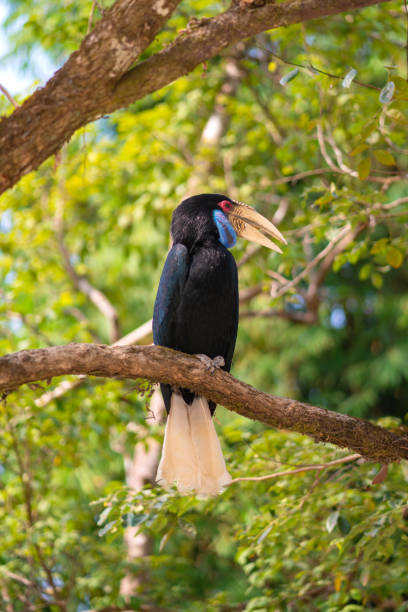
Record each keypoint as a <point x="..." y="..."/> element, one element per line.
<point x="364" y="168"/>
<point x="384" y="157"/>
<point x="394" y="257"/>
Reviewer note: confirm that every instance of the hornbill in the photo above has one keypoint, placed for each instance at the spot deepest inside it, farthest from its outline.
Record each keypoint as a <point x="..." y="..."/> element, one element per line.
<point x="196" y="311"/>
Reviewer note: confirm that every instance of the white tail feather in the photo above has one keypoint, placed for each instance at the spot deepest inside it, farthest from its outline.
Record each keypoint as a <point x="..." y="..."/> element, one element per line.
<point x="192" y="456"/>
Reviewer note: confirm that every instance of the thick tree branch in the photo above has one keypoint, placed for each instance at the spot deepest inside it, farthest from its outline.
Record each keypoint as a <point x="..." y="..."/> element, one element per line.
<point x="159" y="364"/>
<point x="78" y="93"/>
<point x="96" y="79"/>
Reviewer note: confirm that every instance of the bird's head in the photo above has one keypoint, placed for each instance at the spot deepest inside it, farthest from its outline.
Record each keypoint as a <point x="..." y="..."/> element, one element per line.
<point x="215" y="215"/>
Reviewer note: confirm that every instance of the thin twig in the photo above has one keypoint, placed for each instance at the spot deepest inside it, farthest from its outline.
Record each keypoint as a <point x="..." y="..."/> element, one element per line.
<point x="293" y="178"/>
<point x="305" y="468"/>
<point x="311" y="68"/>
<point x="81" y="283"/>
<point x="395" y="203"/>
<point x="9" y="96"/>
<point x="292" y="283"/>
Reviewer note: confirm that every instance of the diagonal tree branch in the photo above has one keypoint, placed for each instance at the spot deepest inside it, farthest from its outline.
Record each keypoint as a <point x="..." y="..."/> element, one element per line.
<point x="159" y="364"/>
<point x="97" y="78"/>
<point x="79" y="91"/>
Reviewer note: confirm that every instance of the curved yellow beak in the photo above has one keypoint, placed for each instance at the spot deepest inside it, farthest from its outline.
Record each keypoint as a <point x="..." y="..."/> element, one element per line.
<point x="251" y="225"/>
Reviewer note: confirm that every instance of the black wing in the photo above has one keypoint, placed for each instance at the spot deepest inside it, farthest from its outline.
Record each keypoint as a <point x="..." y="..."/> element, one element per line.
<point x="168" y="296"/>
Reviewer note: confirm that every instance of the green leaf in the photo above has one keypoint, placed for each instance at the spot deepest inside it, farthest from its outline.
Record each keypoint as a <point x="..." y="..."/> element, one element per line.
<point x="364" y="168"/>
<point x="397" y="115"/>
<point x="394" y="257"/>
<point x="384" y="157"/>
<point x="324" y="199"/>
<point x="377" y="280"/>
<point x="365" y="272"/>
<point x="359" y="149"/>
<point x="401" y="87"/>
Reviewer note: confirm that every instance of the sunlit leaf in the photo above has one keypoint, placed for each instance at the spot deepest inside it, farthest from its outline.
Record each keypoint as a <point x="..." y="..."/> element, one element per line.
<point x="359" y="149"/>
<point x="364" y="168"/>
<point x="384" y="157"/>
<point x="394" y="257"/>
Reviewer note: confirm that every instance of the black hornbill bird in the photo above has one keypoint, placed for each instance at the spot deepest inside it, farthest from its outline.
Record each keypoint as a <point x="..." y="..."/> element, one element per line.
<point x="196" y="311"/>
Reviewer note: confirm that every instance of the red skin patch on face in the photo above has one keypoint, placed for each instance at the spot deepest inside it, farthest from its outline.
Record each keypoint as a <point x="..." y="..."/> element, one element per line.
<point x="225" y="205"/>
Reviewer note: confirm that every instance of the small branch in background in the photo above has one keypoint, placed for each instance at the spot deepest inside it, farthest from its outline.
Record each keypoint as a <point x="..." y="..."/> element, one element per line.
<point x="319" y="467"/>
<point x="395" y="203"/>
<point x="381" y="125"/>
<point x="82" y="285"/>
<point x="312" y="69"/>
<point x="270" y="122"/>
<point x="292" y="283"/>
<point x="143" y="332"/>
<point x="227" y="161"/>
<point x="307" y="318"/>
<point x="9" y="96"/>
<point x="324" y="152"/>
<point x="59" y="391"/>
<point x="81" y="318"/>
<point x="293" y="178"/>
<point x="247" y="294"/>
<point x="251" y="250"/>
<point x="344" y="169"/>
<point x="33" y="328"/>
<point x="215" y="128"/>
<point x="95" y="4"/>
<point x="311" y="296"/>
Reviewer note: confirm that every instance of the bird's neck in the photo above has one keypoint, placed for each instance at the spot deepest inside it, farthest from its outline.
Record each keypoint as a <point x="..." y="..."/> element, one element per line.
<point x="195" y="233"/>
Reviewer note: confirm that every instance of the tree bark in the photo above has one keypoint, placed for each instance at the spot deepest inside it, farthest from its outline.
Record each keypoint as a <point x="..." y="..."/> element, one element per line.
<point x="78" y="93"/>
<point x="159" y="364"/>
<point x="97" y="78"/>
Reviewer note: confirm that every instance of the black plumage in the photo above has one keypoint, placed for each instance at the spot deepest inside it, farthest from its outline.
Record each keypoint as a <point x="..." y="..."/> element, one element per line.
<point x="196" y="309"/>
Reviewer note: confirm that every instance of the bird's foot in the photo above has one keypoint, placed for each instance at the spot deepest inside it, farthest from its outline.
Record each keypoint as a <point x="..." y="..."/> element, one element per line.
<point x="211" y="364"/>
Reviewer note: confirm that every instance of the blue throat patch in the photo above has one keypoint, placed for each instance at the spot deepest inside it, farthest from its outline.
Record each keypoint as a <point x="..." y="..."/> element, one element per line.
<point x="227" y="233"/>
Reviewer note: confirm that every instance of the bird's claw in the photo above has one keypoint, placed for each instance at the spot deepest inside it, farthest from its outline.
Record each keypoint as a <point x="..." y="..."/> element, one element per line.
<point x="211" y="364"/>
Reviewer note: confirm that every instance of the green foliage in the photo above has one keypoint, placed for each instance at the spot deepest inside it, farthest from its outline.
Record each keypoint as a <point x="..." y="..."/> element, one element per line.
<point x="328" y="540"/>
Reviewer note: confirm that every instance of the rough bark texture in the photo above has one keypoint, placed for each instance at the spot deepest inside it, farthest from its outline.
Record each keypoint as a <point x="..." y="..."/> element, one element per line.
<point x="97" y="78"/>
<point x="159" y="364"/>
<point x="79" y="92"/>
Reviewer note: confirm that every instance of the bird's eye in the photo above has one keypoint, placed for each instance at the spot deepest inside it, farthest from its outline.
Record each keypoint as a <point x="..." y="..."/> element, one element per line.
<point x="225" y="205"/>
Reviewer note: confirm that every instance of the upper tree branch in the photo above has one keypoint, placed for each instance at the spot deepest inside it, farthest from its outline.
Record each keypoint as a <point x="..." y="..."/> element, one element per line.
<point x="96" y="79"/>
<point x="159" y="364"/>
<point x="79" y="91"/>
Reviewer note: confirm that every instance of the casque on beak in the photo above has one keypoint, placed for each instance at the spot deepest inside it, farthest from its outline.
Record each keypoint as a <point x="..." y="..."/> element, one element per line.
<point x="251" y="225"/>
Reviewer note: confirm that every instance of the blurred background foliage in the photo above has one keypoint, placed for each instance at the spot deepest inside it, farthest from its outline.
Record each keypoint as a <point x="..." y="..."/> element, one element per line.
<point x="325" y="323"/>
